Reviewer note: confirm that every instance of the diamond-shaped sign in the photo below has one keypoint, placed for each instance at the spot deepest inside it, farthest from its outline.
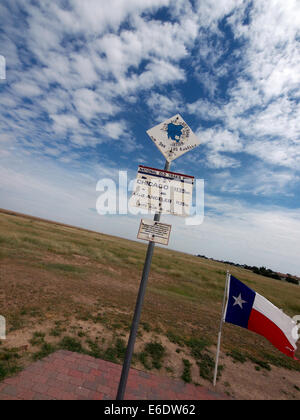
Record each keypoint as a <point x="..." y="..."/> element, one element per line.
<point x="173" y="137"/>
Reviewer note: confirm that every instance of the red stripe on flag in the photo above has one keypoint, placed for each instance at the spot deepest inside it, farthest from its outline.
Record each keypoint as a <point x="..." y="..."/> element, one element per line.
<point x="262" y="325"/>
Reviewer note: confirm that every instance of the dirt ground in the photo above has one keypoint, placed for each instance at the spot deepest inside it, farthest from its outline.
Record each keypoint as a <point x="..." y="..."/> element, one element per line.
<point x="60" y="281"/>
<point x="240" y="381"/>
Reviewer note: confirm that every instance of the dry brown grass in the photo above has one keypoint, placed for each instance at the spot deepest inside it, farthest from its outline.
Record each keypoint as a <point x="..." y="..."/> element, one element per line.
<point x="65" y="281"/>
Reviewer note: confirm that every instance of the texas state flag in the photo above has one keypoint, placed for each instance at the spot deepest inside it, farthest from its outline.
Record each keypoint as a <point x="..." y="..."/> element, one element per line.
<point x="250" y="310"/>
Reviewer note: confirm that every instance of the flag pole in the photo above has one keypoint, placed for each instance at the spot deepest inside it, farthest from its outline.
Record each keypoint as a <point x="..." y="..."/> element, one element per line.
<point x="220" y="329"/>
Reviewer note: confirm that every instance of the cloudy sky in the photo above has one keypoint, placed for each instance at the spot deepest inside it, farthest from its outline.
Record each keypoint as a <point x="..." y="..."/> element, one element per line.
<point x="86" y="79"/>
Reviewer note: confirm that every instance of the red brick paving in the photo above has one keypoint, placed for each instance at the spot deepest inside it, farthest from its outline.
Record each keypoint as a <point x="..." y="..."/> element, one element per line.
<point x="70" y="376"/>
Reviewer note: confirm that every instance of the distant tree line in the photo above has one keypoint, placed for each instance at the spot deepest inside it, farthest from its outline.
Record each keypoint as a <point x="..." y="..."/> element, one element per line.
<point x="263" y="271"/>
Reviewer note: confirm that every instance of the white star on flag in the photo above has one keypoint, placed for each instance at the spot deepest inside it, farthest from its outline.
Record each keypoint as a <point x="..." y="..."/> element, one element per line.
<point x="239" y="301"/>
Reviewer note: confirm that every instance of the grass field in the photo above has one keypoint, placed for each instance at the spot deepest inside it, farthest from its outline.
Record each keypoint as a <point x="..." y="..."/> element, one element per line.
<point x="63" y="287"/>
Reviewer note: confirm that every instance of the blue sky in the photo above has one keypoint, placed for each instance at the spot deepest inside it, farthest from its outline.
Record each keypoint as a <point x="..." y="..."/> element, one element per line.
<point x="85" y="80"/>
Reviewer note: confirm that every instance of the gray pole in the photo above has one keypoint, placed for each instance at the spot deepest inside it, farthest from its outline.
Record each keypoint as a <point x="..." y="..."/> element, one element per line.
<point x="137" y="312"/>
<point x="220" y="329"/>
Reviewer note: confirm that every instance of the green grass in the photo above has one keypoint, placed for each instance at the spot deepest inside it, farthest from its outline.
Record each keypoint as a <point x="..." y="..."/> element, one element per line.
<point x="237" y="356"/>
<point x="15" y="322"/>
<point x="175" y="338"/>
<point x="197" y="345"/>
<point x="146" y="326"/>
<point x="185" y="291"/>
<point x="65" y="268"/>
<point x="38" y="338"/>
<point x="186" y="374"/>
<point x="67" y="343"/>
<point x="240" y="357"/>
<point x="58" y="272"/>
<point x="143" y="358"/>
<point x="58" y="330"/>
<point x="206" y="364"/>
<point x="46" y="350"/>
<point x="94" y="349"/>
<point x="71" y="344"/>
<point x="9" y="362"/>
<point x="116" y="352"/>
<point x="153" y="355"/>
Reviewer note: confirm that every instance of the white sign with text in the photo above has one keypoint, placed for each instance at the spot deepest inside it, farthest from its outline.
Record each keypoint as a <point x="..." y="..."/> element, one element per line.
<point x="153" y="231"/>
<point x="163" y="191"/>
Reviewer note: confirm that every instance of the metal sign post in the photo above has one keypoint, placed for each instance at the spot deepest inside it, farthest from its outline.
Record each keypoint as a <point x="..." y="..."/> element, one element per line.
<point x="138" y="311"/>
<point x="173" y="138"/>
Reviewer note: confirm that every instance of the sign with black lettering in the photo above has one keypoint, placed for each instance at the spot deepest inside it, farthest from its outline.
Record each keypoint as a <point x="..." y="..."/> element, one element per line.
<point x="154" y="231"/>
<point x="163" y="191"/>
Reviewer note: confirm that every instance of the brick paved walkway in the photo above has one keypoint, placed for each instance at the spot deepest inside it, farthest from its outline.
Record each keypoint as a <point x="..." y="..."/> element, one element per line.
<point x="72" y="376"/>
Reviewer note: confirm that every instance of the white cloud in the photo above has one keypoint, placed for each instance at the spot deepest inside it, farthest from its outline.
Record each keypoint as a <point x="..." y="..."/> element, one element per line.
<point x="263" y="104"/>
<point x="115" y="129"/>
<point x="118" y="130"/>
<point x="220" y="140"/>
<point x="277" y="152"/>
<point x="52" y="151"/>
<point x="84" y="68"/>
<point x="206" y="110"/>
<point x="254" y="235"/>
<point x="163" y="107"/>
<point x="217" y="161"/>
<point x="41" y="33"/>
<point x="110" y="15"/>
<point x="55" y="101"/>
<point x="266" y="182"/>
<point x="81" y="64"/>
<point x="278" y="119"/>
<point x="27" y="89"/>
<point x="6" y="138"/>
<point x="160" y="72"/>
<point x="210" y="13"/>
<point x="64" y="122"/>
<point x="90" y="104"/>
